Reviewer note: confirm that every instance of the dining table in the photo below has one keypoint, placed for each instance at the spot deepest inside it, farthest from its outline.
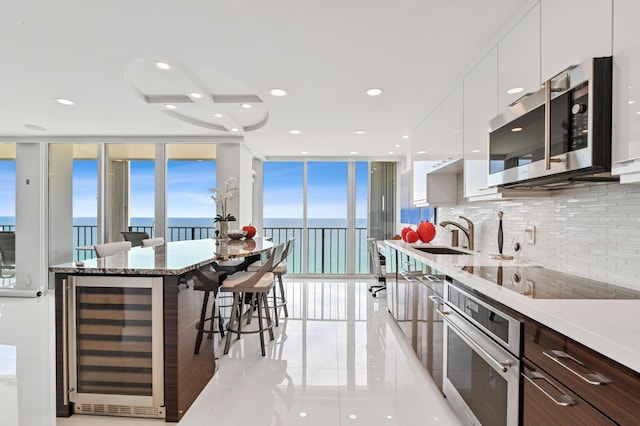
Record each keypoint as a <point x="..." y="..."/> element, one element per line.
<point x="123" y="315"/>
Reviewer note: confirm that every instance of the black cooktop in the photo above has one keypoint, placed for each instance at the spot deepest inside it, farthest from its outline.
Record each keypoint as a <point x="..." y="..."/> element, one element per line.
<point x="542" y="283"/>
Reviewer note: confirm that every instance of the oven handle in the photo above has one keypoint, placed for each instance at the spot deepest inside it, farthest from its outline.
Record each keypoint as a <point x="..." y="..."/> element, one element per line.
<point x="561" y="357"/>
<point x="562" y="399"/>
<point x="502" y="365"/>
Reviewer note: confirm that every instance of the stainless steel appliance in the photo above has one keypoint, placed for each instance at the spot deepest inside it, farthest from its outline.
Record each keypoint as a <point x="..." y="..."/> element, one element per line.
<point x="559" y="134"/>
<point x="482" y="348"/>
<point x="114" y="345"/>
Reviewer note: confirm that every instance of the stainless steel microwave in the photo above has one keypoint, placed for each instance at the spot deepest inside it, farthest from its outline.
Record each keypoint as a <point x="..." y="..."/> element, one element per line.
<point x="561" y="133"/>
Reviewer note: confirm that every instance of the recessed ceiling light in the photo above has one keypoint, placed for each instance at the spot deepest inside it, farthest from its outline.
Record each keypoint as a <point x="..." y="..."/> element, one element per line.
<point x="632" y="102"/>
<point x="246" y="106"/>
<point x="295" y="132"/>
<point x="353" y="152"/>
<point x="359" y="132"/>
<point x="170" y="106"/>
<point x="278" y="92"/>
<point x="422" y="152"/>
<point x="516" y="129"/>
<point x="405" y="136"/>
<point x="64" y="101"/>
<point x="353" y="416"/>
<point x="302" y="414"/>
<point x="304" y="152"/>
<point x="515" y="90"/>
<point x="195" y="95"/>
<point x="374" y="91"/>
<point x="34" y="127"/>
<point x="234" y="129"/>
<point x="218" y="115"/>
<point x="476" y="150"/>
<point x="390" y="152"/>
<point x="163" y="65"/>
<point x="396" y="146"/>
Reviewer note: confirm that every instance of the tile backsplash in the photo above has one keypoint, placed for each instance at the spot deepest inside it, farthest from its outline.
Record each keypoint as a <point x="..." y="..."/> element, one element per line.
<point x="589" y="231"/>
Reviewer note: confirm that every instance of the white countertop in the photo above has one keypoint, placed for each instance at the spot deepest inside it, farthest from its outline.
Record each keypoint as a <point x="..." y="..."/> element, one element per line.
<point x="611" y="327"/>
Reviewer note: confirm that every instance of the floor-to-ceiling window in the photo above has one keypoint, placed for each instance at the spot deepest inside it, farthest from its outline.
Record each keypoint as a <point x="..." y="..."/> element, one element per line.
<point x="323" y="205"/>
<point x="7" y="213"/>
<point x="85" y="199"/>
<point x="191" y="173"/>
<point x="283" y="207"/>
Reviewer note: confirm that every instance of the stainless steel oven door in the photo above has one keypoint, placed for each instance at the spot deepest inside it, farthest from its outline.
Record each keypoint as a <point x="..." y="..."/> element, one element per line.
<point x="481" y="379"/>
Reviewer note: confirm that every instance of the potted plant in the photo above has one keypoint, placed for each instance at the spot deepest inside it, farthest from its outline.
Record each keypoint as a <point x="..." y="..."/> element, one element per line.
<point x="221" y="197"/>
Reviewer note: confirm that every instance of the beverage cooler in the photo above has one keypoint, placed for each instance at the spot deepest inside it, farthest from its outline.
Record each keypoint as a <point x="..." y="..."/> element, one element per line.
<point x="114" y="345"/>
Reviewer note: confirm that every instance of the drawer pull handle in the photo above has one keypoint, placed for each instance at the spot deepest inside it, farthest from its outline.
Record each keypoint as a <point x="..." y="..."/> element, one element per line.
<point x="562" y="358"/>
<point x="561" y="399"/>
<point x="433" y="278"/>
<point x="628" y="160"/>
<point x="437" y="299"/>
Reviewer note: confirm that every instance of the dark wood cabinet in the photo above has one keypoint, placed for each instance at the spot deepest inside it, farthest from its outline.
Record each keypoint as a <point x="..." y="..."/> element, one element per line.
<point x="547" y="402"/>
<point x="413" y="297"/>
<point x="600" y="389"/>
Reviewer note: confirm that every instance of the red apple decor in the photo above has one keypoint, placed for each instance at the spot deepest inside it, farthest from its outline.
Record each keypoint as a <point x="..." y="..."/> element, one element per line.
<point x="251" y="231"/>
<point x="404" y="231"/>
<point x="426" y="231"/>
<point x="412" y="236"/>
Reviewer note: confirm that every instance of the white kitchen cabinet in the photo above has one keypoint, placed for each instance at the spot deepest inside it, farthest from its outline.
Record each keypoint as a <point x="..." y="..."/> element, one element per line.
<point x="572" y="32"/>
<point x="426" y="139"/>
<point x="519" y="59"/>
<point x="626" y="91"/>
<point x="480" y="105"/>
<point x="452" y="124"/>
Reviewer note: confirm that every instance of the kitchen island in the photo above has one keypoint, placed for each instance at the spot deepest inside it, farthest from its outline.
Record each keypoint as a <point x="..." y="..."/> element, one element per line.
<point x="125" y="329"/>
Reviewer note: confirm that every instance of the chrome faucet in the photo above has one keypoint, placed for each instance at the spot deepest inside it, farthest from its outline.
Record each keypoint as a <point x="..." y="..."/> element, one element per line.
<point x="467" y="231"/>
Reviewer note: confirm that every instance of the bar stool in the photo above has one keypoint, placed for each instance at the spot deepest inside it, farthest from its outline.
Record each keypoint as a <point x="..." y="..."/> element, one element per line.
<point x="209" y="282"/>
<point x="279" y="269"/>
<point x="109" y="249"/>
<point x="258" y="284"/>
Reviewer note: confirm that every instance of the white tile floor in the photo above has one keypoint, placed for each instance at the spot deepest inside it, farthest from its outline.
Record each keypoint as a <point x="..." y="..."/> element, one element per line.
<point x="338" y="360"/>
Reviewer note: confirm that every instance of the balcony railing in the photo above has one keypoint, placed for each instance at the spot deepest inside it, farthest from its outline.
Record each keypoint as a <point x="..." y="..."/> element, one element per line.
<point x="326" y="248"/>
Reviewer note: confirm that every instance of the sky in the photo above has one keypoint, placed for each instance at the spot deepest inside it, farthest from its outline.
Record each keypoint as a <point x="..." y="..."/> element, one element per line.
<point x="189" y="183"/>
<point x="327" y="190"/>
<point x="7" y="188"/>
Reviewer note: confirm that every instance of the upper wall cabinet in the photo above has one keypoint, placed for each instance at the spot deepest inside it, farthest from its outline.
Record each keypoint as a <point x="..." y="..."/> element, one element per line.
<point x="572" y="32"/>
<point x="426" y="138"/>
<point x="626" y="91"/>
<point x="480" y="105"/>
<point x="452" y="124"/>
<point x="519" y="59"/>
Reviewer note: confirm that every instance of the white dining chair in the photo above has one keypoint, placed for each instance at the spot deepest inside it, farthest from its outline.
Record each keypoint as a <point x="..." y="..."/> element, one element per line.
<point x="109" y="249"/>
<point x="152" y="242"/>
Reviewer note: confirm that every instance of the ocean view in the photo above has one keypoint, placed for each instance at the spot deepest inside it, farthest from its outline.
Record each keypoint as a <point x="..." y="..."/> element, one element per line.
<point x="327" y="238"/>
<point x="205" y="222"/>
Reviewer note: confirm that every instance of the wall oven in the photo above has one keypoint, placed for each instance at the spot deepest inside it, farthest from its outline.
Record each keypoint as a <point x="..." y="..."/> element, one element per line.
<point x="561" y="133"/>
<point x="482" y="346"/>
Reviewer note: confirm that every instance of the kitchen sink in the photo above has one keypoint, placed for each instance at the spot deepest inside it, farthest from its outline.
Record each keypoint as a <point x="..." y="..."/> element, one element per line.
<point x="440" y="250"/>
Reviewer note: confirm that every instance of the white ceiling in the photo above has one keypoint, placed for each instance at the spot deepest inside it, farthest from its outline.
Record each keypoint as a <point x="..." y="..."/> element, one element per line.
<point x="101" y="54"/>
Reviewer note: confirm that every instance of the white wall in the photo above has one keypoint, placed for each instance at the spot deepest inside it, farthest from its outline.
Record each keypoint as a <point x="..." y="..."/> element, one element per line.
<point x="591" y="231"/>
<point x="235" y="160"/>
<point x="31" y="216"/>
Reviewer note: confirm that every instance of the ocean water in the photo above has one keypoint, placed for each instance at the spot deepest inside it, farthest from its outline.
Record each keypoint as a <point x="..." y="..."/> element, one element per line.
<point x="327" y="238"/>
